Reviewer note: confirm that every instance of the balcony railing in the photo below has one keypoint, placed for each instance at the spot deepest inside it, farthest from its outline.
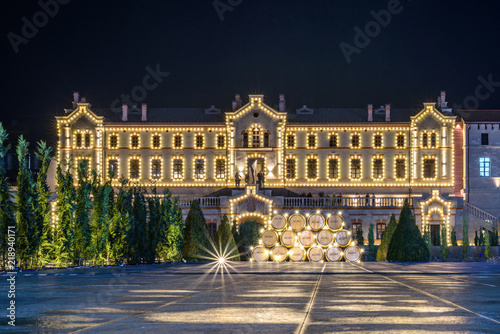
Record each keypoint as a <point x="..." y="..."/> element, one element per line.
<point x="205" y="202"/>
<point x="481" y="214"/>
<point x="345" y="202"/>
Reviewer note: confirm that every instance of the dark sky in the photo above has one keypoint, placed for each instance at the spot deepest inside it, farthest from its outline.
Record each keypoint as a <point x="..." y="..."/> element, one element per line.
<point x="102" y="49"/>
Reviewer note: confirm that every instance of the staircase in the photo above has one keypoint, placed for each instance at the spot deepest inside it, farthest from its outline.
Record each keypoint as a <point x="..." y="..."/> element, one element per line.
<point x="481" y="214"/>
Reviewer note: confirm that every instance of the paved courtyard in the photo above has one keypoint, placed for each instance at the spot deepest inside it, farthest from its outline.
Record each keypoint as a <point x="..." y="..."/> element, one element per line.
<point x="265" y="298"/>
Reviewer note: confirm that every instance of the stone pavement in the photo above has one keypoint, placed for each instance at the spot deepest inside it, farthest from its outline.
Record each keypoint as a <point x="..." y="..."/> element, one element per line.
<point x="263" y="298"/>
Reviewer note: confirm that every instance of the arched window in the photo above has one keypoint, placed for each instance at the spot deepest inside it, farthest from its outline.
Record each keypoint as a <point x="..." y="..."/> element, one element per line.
<point x="256" y="137"/>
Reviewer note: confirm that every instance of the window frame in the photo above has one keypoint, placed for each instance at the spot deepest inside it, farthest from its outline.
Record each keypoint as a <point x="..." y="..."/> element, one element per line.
<point x="484" y="167"/>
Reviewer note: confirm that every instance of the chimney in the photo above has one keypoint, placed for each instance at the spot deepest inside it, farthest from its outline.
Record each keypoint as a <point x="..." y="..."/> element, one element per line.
<point x="238" y="100"/>
<point x="144" y="117"/>
<point x="282" y="102"/>
<point x="124" y="113"/>
<point x="234" y="105"/>
<point x="444" y="104"/>
<point x="76" y="98"/>
<point x="387" y="112"/>
<point x="370" y="113"/>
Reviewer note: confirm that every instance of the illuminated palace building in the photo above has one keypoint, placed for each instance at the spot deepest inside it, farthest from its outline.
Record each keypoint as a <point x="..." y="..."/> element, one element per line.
<point x="306" y="159"/>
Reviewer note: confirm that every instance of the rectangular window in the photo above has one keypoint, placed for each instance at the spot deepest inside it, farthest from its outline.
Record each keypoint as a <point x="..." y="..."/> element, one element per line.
<point x="400" y="141"/>
<point x="78" y="140"/>
<point x="484" y="167"/>
<point x="311" y="141"/>
<point x="380" y="230"/>
<point x="400" y="168"/>
<point x="177" y="169"/>
<point x="290" y="169"/>
<point x="134" y="168"/>
<point x="220" y="169"/>
<point x="424" y="139"/>
<point x="134" y="141"/>
<point x="221" y="141"/>
<point x="199" y="141"/>
<point x="212" y="228"/>
<point x="355" y="169"/>
<point x="333" y="169"/>
<point x="113" y="168"/>
<point x="377" y="140"/>
<point x="113" y="141"/>
<point x="178" y="141"/>
<point x="256" y="138"/>
<point x="312" y="168"/>
<point x="378" y="168"/>
<point x="156" y="141"/>
<point x="333" y="140"/>
<point x="266" y="139"/>
<point x="355" y="228"/>
<point x="199" y="169"/>
<point x="430" y="168"/>
<point x="355" y="140"/>
<point x="290" y="141"/>
<point x="156" y="169"/>
<point x="87" y="140"/>
<point x="433" y="139"/>
<point x="484" y="139"/>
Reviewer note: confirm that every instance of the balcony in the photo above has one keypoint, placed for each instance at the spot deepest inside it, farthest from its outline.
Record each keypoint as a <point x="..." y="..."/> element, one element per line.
<point x="345" y="202"/>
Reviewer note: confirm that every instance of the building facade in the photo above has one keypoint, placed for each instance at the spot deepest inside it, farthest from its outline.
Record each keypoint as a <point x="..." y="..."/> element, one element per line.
<point x="256" y="160"/>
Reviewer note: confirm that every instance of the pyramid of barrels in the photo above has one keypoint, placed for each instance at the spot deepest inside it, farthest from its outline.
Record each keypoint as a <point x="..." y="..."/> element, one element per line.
<point x="314" y="239"/>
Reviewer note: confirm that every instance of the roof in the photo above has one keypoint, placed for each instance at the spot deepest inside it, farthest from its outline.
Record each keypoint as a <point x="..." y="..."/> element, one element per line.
<point x="350" y="115"/>
<point x="163" y="115"/>
<point x="479" y="115"/>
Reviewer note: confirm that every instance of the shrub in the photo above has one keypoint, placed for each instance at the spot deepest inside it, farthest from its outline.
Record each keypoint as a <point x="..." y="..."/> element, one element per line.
<point x="386" y="239"/>
<point x="196" y="236"/>
<point x="407" y="244"/>
<point x="465" y="237"/>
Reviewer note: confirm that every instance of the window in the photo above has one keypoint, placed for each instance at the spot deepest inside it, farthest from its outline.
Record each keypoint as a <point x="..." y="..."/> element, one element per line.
<point x="178" y="141"/>
<point x="424" y="139"/>
<point x="199" y="141"/>
<point x="212" y="228"/>
<point x="311" y="141"/>
<point x="290" y="169"/>
<point x="378" y="168"/>
<point x="78" y="140"/>
<point x="355" y="140"/>
<point x="333" y="169"/>
<point x="156" y="141"/>
<point x="256" y="137"/>
<point x="400" y="169"/>
<point x="429" y="168"/>
<point x="484" y="139"/>
<point x="245" y="139"/>
<point x="377" y="140"/>
<point x="355" y="228"/>
<point x="156" y="169"/>
<point x="484" y="167"/>
<point x="221" y="141"/>
<point x="199" y="169"/>
<point x="113" y="141"/>
<point x="333" y="140"/>
<point x="113" y="168"/>
<point x="380" y="230"/>
<point x="87" y="140"/>
<point x="290" y="141"/>
<point x="220" y="169"/>
<point x="134" y="168"/>
<point x="177" y="169"/>
<point x="312" y="168"/>
<point x="400" y="140"/>
<point x="355" y="169"/>
<point x="266" y="139"/>
<point x="433" y="139"/>
<point x="134" y="141"/>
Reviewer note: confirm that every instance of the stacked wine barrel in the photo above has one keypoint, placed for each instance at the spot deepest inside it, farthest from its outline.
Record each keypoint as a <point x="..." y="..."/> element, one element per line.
<point x="297" y="238"/>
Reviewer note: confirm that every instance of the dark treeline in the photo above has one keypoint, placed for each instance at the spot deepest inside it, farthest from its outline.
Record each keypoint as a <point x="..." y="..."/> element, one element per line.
<point x="89" y="224"/>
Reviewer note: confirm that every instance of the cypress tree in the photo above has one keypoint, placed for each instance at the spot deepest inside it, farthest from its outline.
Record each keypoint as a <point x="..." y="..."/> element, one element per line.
<point x="6" y="204"/>
<point x="465" y="237"/>
<point x="371" y="243"/>
<point x="494" y="237"/>
<point x="249" y="236"/>
<point x="481" y="237"/>
<point x="120" y="224"/>
<point x="427" y="237"/>
<point x="386" y="239"/>
<point x="487" y="245"/>
<point x="360" y="239"/>
<point x="197" y="240"/>
<point x="155" y="225"/>
<point x="100" y="241"/>
<point x="224" y="241"/>
<point x="476" y="239"/>
<point x="444" y="243"/>
<point x="407" y="244"/>
<point x="82" y="215"/>
<point x="170" y="246"/>
<point x="453" y="236"/>
<point x="138" y="230"/>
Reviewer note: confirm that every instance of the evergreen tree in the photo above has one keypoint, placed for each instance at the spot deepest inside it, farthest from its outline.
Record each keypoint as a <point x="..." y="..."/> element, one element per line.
<point x="360" y="239"/>
<point x="137" y="245"/>
<point x="156" y="226"/>
<point x="249" y="236"/>
<point x="386" y="239"/>
<point x="234" y="231"/>
<point x="476" y="239"/>
<point x="481" y="237"/>
<point x="82" y="215"/>
<point x="6" y="204"/>
<point x="371" y="243"/>
<point x="100" y="241"/>
<point x="407" y="244"/>
<point x="453" y="236"/>
<point x="494" y="237"/>
<point x="487" y="245"/>
<point x="196" y="237"/>
<point x="170" y="246"/>
<point x="465" y="237"/>
<point x="64" y="234"/>
<point x="26" y="227"/>
<point x="120" y="224"/>
<point x="427" y="238"/>
<point x="224" y="241"/>
<point x="444" y="243"/>
<point x="43" y="218"/>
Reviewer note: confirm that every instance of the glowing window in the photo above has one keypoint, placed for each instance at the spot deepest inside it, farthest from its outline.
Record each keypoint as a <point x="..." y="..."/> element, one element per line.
<point x="484" y="167"/>
<point x="113" y="168"/>
<point x="380" y="230"/>
<point x="355" y="169"/>
<point x="199" y="169"/>
<point x="333" y="168"/>
<point x="220" y="169"/>
<point x="134" y="168"/>
<point x="177" y="169"/>
<point x="378" y="168"/>
<point x="156" y="169"/>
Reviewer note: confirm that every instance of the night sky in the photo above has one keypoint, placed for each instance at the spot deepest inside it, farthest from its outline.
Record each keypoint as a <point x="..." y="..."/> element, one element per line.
<point x="102" y="49"/>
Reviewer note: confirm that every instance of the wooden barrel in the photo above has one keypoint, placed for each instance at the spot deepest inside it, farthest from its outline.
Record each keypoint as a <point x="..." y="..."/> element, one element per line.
<point x="315" y="254"/>
<point x="297" y="222"/>
<point x="278" y="222"/>
<point x="334" y="254"/>
<point x="306" y="238"/>
<point x="260" y="254"/>
<point x="352" y="254"/>
<point x="316" y="222"/>
<point x="334" y="222"/>
<point x="279" y="253"/>
<point x="343" y="238"/>
<point x="325" y="238"/>
<point x="288" y="238"/>
<point x="296" y="254"/>
<point x="269" y="238"/>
